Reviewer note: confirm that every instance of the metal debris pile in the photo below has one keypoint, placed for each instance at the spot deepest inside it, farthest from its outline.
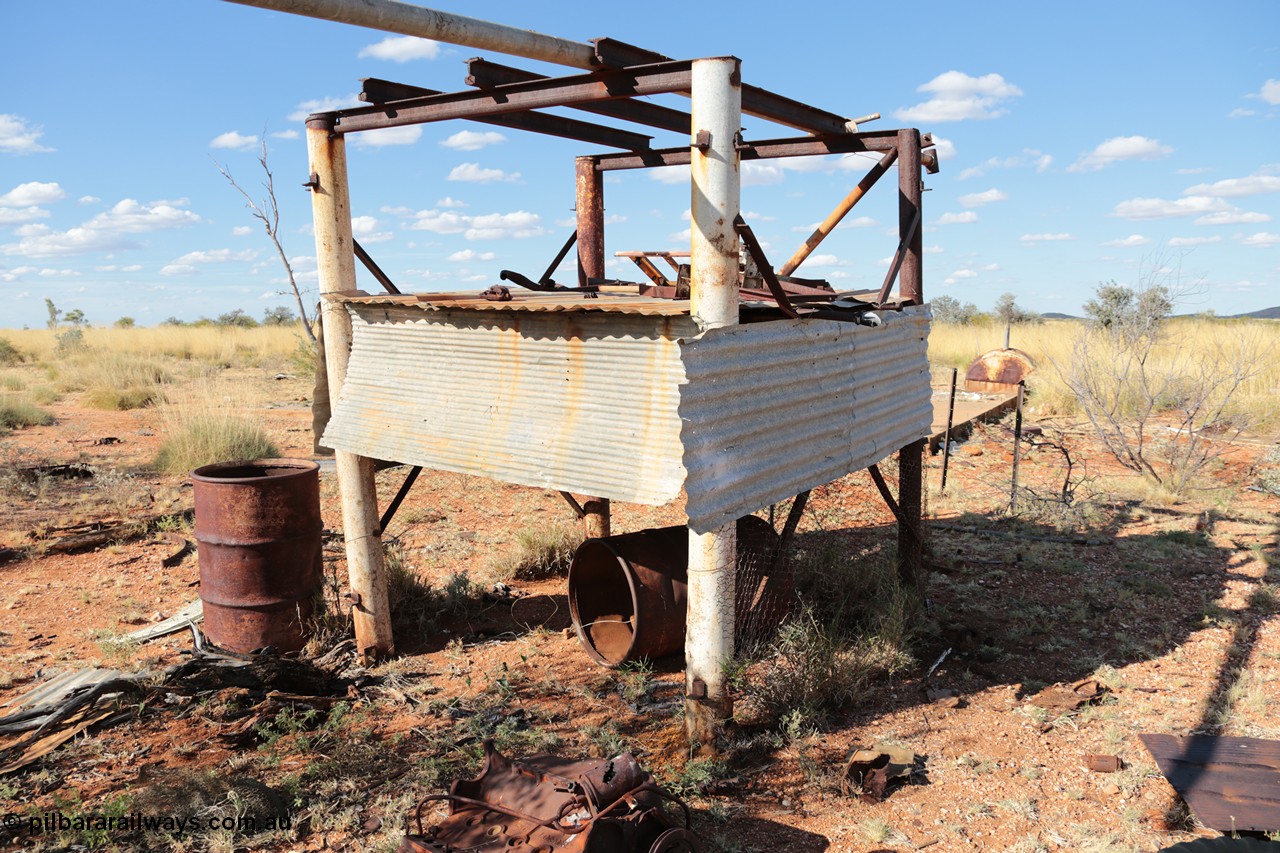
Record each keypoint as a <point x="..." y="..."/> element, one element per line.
<point x="544" y="803"/>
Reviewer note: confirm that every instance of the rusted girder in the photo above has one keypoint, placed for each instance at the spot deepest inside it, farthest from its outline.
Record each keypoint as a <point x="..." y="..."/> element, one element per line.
<point x="519" y="97"/>
<point x="377" y="91"/>
<point x="757" y="102"/>
<point x="484" y="74"/>
<point x="765" y="149"/>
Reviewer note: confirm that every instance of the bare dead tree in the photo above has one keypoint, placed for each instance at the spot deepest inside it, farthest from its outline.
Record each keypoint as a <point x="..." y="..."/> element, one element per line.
<point x="268" y="213"/>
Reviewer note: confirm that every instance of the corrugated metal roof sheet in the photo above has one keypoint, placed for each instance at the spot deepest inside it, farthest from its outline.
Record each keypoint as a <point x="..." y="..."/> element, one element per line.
<point x="529" y="300"/>
<point x="584" y="402"/>
<point x="772" y="409"/>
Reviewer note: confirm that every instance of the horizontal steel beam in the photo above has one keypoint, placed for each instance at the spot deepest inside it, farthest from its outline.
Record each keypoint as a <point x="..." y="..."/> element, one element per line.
<point x="769" y="149"/>
<point x="757" y="102"/>
<point x="396" y="17"/>
<point x="517" y="97"/>
<point x="486" y="75"/>
<point x="377" y="91"/>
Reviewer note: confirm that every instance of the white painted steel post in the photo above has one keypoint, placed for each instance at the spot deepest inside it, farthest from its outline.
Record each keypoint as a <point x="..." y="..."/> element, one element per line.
<point x="716" y="180"/>
<point x="335" y="259"/>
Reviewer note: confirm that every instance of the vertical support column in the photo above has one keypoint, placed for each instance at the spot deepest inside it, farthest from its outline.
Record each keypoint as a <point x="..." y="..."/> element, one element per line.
<point x="716" y="180"/>
<point x="589" y="204"/>
<point x="911" y="287"/>
<point x="335" y="259"/>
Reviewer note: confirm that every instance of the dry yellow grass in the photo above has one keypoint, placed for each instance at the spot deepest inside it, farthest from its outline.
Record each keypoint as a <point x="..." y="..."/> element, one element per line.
<point x="1051" y="344"/>
<point x="217" y="344"/>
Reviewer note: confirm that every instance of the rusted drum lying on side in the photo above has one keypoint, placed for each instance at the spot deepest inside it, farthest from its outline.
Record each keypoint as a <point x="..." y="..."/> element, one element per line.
<point x="628" y="594"/>
<point x="998" y="371"/>
<point x="258" y="540"/>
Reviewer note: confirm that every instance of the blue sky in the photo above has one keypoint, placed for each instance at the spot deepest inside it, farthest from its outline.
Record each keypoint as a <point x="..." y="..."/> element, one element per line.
<point x="1080" y="143"/>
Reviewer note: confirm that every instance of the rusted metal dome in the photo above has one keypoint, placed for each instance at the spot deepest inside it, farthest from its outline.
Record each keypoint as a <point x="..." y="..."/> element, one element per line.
<point x="998" y="371"/>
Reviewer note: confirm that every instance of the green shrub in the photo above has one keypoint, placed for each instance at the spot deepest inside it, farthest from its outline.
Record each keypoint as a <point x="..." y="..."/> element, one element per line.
<point x="9" y="354"/>
<point x="17" y="412"/>
<point x="206" y="436"/>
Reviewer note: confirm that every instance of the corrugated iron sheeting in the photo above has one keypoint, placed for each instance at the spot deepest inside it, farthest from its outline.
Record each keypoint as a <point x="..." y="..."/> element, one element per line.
<point x="524" y="300"/>
<point x="772" y="409"/>
<point x="583" y="402"/>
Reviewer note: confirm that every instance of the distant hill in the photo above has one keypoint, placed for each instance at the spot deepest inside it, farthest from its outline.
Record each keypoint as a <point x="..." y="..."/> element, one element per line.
<point x="1263" y="314"/>
<point x="1272" y="313"/>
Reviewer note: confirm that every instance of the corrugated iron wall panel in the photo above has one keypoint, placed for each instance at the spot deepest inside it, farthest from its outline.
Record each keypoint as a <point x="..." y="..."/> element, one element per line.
<point x="772" y="409"/>
<point x="583" y="402"/>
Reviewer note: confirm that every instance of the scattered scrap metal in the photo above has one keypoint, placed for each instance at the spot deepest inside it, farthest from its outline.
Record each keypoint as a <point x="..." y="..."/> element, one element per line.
<point x="1231" y="783"/>
<point x="871" y="771"/>
<point x="544" y="803"/>
<point x="1066" y="698"/>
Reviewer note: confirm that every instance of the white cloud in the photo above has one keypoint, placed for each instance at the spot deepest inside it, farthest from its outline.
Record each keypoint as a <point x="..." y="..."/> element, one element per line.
<point x="754" y="174"/>
<point x="365" y="229"/>
<point x="324" y="105"/>
<point x="450" y="203"/>
<point x="470" y="140"/>
<point x="234" y="141"/>
<point x="1159" y="208"/>
<point x="958" y="276"/>
<point x="823" y="261"/>
<point x="89" y="199"/>
<point x="1241" y="112"/>
<point x="496" y="226"/>
<point x="979" y="199"/>
<point x="19" y="215"/>
<point x="1262" y="240"/>
<point x="957" y="218"/>
<point x="285" y="134"/>
<point x="1040" y="160"/>
<point x="31" y="193"/>
<point x="18" y="137"/>
<point x="241" y="231"/>
<point x="1193" y="241"/>
<point x="1126" y="242"/>
<point x="1237" y="187"/>
<point x="104" y="232"/>
<point x="1233" y="216"/>
<point x="933" y="250"/>
<point x="404" y="135"/>
<point x="490" y="226"/>
<point x="958" y="97"/>
<point x="945" y="147"/>
<point x="179" y="269"/>
<point x="1120" y="148"/>
<point x="669" y="174"/>
<point x="471" y="255"/>
<point x="401" y="49"/>
<point x="217" y="256"/>
<point x="440" y="222"/>
<point x="1270" y="92"/>
<point x="1045" y="238"/>
<point x="474" y="173"/>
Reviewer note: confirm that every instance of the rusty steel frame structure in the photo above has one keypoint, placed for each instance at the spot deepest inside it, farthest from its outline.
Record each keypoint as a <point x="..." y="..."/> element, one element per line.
<point x="513" y="98"/>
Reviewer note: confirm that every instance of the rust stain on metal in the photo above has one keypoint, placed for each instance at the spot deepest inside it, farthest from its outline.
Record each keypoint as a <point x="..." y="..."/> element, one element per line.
<point x="544" y="803"/>
<point x="1231" y="783"/>
<point x="871" y="771"/>
<point x="1103" y="763"/>
<point x="1064" y="698"/>
<point x="257" y="527"/>
<point x="628" y="594"/>
<point x="998" y="370"/>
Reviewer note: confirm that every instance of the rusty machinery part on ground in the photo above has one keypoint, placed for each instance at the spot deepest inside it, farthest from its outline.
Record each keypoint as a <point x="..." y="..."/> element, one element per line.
<point x="543" y="803"/>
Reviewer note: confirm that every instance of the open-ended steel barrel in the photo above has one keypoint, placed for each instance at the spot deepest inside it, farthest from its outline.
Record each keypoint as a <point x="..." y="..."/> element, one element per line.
<point x="628" y="594"/>
<point x="258" y="541"/>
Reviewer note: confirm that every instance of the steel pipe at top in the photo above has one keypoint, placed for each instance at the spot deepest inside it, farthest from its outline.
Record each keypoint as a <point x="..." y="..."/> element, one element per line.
<point x="406" y="19"/>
